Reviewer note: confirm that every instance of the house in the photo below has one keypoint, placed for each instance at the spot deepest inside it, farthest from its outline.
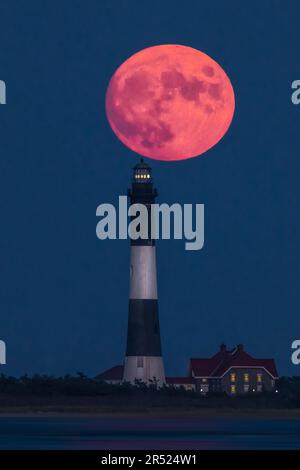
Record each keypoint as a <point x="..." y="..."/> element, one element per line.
<point x="232" y="371"/>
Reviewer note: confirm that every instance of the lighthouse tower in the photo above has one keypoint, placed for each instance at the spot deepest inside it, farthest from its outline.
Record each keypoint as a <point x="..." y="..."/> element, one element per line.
<point x="143" y="354"/>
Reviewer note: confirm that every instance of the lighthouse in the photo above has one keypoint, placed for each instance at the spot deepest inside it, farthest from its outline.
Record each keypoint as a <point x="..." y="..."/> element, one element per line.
<point x="143" y="361"/>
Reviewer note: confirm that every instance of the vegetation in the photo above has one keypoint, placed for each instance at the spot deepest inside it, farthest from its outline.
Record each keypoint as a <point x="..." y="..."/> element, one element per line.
<point x="40" y="391"/>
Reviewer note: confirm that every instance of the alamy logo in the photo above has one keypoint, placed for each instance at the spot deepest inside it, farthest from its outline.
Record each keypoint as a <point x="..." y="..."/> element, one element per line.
<point x="2" y="92"/>
<point x="153" y="222"/>
<point x="2" y="352"/>
<point x="296" y="352"/>
<point x="295" y="97"/>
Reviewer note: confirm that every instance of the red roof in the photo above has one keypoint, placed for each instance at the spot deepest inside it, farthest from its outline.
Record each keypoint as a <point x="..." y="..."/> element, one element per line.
<point x="205" y="367"/>
<point x="220" y="363"/>
<point x="179" y="380"/>
<point x="114" y="373"/>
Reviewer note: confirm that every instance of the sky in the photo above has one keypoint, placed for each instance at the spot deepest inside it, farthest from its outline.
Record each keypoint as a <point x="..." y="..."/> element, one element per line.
<point x="63" y="292"/>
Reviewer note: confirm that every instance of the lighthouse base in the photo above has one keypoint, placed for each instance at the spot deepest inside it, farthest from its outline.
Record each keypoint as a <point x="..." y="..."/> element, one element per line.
<point x="147" y="369"/>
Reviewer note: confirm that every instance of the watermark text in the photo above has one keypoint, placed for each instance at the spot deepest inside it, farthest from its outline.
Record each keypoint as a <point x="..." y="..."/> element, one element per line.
<point x="2" y="352"/>
<point x="2" y="92"/>
<point x="295" y="358"/>
<point x="158" y="221"/>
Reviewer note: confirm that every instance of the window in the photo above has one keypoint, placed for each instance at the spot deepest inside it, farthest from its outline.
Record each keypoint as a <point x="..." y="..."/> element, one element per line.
<point x="204" y="380"/>
<point x="246" y="377"/>
<point x="232" y="377"/>
<point x="246" y="388"/>
<point x="259" y="378"/>
<point x="140" y="361"/>
<point x="232" y="389"/>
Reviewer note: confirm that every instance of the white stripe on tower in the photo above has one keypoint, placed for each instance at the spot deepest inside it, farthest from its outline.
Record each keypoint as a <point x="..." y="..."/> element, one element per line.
<point x="143" y="283"/>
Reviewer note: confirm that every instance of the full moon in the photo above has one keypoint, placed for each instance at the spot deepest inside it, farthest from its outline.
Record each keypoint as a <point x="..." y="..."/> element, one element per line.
<point x="170" y="102"/>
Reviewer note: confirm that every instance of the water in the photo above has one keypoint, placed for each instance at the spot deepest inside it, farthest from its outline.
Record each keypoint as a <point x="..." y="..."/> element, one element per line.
<point x="111" y="433"/>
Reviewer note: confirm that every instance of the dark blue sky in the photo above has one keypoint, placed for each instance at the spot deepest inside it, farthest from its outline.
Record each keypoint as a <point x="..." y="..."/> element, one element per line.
<point x="64" y="293"/>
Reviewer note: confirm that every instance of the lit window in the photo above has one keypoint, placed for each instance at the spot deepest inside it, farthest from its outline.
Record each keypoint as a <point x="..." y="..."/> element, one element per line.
<point x="232" y="377"/>
<point x="204" y="380"/>
<point x="259" y="377"/>
<point x="148" y="176"/>
<point x="246" y="377"/>
<point x="232" y="388"/>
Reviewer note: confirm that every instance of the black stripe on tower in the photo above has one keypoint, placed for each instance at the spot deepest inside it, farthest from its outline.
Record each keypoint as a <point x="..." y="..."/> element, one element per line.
<point x="143" y="337"/>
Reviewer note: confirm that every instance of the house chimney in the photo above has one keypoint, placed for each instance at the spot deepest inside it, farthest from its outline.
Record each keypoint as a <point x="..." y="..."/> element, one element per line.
<point x="223" y="347"/>
<point x="240" y="347"/>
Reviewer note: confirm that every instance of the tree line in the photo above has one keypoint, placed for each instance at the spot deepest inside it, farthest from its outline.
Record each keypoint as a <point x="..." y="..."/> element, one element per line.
<point x="80" y="385"/>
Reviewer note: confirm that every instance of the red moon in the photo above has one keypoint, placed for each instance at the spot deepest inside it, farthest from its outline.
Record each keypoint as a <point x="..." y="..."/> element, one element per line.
<point x="170" y="102"/>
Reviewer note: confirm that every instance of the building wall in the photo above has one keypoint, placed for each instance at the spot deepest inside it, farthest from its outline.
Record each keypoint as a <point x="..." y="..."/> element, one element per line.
<point x="245" y="380"/>
<point x="202" y="385"/>
<point x="205" y="385"/>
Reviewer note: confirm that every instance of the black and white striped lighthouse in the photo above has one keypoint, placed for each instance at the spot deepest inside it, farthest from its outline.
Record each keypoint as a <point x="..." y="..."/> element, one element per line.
<point x="143" y="359"/>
